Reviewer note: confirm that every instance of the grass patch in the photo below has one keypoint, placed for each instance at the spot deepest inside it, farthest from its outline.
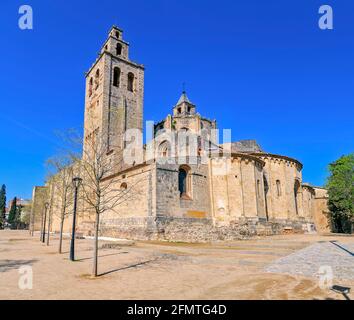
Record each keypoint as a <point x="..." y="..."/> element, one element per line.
<point x="87" y="276"/>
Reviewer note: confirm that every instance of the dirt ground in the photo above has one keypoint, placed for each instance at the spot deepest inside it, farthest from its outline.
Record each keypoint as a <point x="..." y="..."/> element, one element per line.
<point x="160" y="270"/>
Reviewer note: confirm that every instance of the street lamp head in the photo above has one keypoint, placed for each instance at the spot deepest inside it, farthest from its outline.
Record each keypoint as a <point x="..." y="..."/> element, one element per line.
<point x="46" y="205"/>
<point x="77" y="181"/>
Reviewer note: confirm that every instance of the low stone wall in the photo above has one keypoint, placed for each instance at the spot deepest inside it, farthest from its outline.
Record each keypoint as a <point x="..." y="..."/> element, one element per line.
<point x="175" y="229"/>
<point x="200" y="230"/>
<point x="194" y="230"/>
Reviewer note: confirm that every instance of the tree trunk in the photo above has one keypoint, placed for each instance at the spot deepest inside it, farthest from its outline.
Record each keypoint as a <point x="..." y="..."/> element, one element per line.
<point x="95" y="247"/>
<point x="61" y="234"/>
<point x="49" y="221"/>
<point x="62" y="217"/>
<point x="50" y="213"/>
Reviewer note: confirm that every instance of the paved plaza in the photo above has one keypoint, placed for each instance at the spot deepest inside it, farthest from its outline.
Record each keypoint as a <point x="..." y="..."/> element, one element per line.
<point x="277" y="267"/>
<point x="335" y="255"/>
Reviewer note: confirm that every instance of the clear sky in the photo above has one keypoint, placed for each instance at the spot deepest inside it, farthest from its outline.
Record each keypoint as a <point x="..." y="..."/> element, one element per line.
<point x="261" y="68"/>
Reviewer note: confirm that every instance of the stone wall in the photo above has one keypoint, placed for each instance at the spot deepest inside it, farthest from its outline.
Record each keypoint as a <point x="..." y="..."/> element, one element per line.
<point x="308" y="197"/>
<point x="133" y="191"/>
<point x="193" y="229"/>
<point x="237" y="189"/>
<point x="280" y="175"/>
<point x="39" y="197"/>
<point x="321" y="212"/>
<point x="168" y="198"/>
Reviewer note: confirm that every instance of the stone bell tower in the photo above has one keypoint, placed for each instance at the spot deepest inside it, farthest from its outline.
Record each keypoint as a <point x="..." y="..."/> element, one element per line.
<point x="114" y="94"/>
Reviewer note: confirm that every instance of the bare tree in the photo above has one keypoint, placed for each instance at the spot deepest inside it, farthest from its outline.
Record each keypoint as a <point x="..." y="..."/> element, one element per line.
<point x="50" y="213"/>
<point x="61" y="170"/>
<point x="102" y="187"/>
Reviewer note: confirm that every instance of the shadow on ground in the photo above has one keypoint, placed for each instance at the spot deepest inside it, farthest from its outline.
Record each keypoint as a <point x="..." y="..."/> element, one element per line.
<point x="127" y="267"/>
<point x="7" y="265"/>
<point x="101" y="256"/>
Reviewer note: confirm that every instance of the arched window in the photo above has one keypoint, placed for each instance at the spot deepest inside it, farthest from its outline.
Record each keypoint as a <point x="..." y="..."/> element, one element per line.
<point x="117" y="34"/>
<point x="266" y="189"/>
<point x="184" y="181"/>
<point x="123" y="186"/>
<point x="118" y="49"/>
<point x="164" y="149"/>
<point x="278" y="188"/>
<point x="116" y="76"/>
<point x="130" y="82"/>
<point x="90" y="86"/>
<point x="296" y="192"/>
<point x="97" y="78"/>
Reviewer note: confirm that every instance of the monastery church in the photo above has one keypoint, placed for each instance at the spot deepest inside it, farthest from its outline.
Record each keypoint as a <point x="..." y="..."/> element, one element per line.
<point x="190" y="200"/>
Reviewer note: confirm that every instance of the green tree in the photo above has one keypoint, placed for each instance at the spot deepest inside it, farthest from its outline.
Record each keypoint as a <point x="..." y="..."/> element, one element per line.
<point x="2" y="205"/>
<point x="13" y="213"/>
<point x="17" y="223"/>
<point x="340" y="186"/>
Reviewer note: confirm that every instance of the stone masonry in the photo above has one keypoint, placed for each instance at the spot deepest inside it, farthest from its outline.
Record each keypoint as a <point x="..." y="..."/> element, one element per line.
<point x="218" y="196"/>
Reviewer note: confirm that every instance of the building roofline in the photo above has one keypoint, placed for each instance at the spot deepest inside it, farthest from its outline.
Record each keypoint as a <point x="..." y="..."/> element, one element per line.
<point x="317" y="187"/>
<point x="239" y="154"/>
<point x="115" y="28"/>
<point x="272" y="155"/>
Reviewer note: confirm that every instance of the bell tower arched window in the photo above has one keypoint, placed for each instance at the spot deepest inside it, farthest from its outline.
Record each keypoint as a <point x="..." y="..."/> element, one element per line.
<point x="97" y="78"/>
<point x="116" y="77"/>
<point x="118" y="49"/>
<point x="130" y="86"/>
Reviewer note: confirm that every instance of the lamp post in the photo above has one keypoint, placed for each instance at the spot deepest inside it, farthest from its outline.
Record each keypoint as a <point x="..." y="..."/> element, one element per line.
<point x="76" y="182"/>
<point x="46" y="206"/>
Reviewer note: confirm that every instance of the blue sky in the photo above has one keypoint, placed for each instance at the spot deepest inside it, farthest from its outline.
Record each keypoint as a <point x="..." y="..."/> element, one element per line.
<point x="262" y="68"/>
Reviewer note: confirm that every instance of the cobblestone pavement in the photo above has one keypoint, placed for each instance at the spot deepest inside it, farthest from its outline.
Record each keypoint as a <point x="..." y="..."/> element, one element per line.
<point x="308" y="261"/>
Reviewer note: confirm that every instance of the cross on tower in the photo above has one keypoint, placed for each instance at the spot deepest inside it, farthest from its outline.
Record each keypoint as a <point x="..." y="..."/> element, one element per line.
<point x="183" y="87"/>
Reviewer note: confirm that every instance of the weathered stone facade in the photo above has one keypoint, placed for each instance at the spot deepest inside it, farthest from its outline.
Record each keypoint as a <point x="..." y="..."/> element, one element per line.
<point x="229" y="191"/>
<point x="39" y="197"/>
<point x="320" y="210"/>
